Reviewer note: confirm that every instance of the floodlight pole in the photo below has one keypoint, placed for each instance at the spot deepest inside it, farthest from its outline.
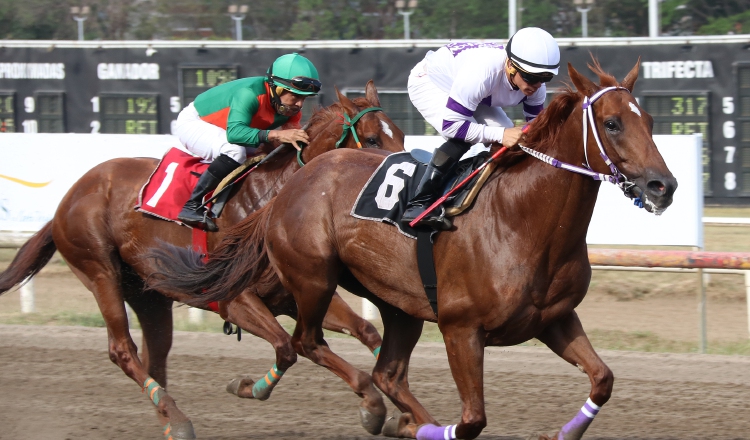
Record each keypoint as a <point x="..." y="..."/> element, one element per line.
<point x="584" y="21"/>
<point x="80" y="14"/>
<point x="412" y="5"/>
<point x="237" y="13"/>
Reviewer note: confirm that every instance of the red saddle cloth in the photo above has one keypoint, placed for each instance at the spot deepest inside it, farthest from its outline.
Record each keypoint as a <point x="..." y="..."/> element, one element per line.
<point x="170" y="185"/>
<point x="167" y="190"/>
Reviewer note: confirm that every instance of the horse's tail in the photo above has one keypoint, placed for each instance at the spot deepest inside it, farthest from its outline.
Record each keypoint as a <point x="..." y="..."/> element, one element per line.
<point x="239" y="261"/>
<point x="30" y="259"/>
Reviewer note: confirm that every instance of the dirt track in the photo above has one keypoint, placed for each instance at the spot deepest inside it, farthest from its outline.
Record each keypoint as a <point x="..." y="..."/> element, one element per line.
<point x="58" y="383"/>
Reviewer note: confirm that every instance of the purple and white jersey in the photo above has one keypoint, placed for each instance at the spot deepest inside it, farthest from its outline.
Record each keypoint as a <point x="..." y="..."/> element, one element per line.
<point x="473" y="74"/>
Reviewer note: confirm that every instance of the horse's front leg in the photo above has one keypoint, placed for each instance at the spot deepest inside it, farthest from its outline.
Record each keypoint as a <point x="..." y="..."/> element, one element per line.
<point x="567" y="338"/>
<point x="250" y="313"/>
<point x="465" y="348"/>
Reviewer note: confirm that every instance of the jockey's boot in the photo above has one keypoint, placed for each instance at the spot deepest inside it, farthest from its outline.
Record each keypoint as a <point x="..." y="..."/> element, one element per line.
<point x="427" y="192"/>
<point x="192" y="214"/>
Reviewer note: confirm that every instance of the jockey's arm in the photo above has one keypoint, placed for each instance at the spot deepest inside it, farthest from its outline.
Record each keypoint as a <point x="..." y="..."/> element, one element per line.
<point x="242" y="108"/>
<point x="291" y="132"/>
<point x="470" y="87"/>
<point x="531" y="109"/>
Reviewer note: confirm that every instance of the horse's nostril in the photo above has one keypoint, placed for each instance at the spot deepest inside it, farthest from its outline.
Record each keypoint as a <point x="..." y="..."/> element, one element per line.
<point x="656" y="187"/>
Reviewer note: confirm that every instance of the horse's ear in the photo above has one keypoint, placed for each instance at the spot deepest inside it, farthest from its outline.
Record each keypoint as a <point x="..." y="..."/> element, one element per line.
<point x="632" y="76"/>
<point x="371" y="93"/>
<point x="347" y="103"/>
<point x="583" y="84"/>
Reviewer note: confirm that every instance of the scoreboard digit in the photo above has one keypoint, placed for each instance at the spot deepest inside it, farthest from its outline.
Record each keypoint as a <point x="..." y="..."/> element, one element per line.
<point x="194" y="80"/>
<point x="683" y="113"/>
<point x="129" y="113"/>
<point x="7" y="112"/>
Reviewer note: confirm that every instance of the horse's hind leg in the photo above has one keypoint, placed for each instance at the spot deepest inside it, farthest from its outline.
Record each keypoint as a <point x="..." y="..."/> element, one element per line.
<point x="102" y="277"/>
<point x="154" y="313"/>
<point x="567" y="338"/>
<point x="250" y="313"/>
<point x="342" y="319"/>
<point x="313" y="295"/>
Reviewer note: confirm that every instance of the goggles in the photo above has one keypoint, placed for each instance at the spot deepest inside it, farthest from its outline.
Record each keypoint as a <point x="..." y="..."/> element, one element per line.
<point x="301" y="83"/>
<point x="533" y="78"/>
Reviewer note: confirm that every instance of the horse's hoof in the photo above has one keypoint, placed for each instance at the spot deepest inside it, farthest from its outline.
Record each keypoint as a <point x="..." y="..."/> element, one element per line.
<point x="183" y="431"/>
<point x="372" y="423"/>
<point x="241" y="386"/>
<point x="396" y="425"/>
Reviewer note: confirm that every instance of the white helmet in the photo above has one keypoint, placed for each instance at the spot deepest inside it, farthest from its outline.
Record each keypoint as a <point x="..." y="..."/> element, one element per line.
<point x="534" y="50"/>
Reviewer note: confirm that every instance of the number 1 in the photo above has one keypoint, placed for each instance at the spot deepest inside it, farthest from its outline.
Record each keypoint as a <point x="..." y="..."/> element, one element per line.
<point x="164" y="185"/>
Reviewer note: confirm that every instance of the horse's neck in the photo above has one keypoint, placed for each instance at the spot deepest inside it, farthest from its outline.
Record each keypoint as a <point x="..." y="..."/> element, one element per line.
<point x="551" y="198"/>
<point x="263" y="184"/>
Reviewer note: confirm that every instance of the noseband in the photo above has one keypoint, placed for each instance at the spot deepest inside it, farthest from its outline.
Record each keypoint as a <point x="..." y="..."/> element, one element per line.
<point x="348" y="124"/>
<point x="628" y="187"/>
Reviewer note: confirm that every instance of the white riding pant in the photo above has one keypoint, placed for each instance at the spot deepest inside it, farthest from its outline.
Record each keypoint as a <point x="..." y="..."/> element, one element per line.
<point x="206" y="140"/>
<point x="430" y="100"/>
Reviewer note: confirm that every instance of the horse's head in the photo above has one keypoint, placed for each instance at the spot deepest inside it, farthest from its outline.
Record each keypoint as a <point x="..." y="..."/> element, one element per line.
<point x="353" y="123"/>
<point x="373" y="128"/>
<point x="624" y="129"/>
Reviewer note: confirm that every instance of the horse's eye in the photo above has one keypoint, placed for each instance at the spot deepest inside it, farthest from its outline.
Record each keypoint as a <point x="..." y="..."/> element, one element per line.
<point x="372" y="141"/>
<point x="611" y="125"/>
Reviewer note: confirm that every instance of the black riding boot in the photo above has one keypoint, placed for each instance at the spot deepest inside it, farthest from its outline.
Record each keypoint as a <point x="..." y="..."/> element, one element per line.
<point x="431" y="184"/>
<point x="192" y="214"/>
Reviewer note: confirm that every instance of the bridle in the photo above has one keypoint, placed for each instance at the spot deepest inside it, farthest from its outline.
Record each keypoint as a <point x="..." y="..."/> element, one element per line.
<point x="627" y="186"/>
<point x="348" y="124"/>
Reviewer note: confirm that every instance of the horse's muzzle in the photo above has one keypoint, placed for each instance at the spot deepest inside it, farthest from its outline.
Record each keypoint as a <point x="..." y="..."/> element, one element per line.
<point x="656" y="192"/>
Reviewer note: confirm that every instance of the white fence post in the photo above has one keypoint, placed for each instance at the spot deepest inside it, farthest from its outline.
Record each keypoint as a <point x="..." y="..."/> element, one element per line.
<point x="131" y="314"/>
<point x="27" y="296"/>
<point x="702" y="313"/>
<point x="369" y="311"/>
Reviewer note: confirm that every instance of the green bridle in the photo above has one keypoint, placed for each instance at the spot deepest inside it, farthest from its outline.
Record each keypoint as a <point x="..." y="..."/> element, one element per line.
<point x="348" y="124"/>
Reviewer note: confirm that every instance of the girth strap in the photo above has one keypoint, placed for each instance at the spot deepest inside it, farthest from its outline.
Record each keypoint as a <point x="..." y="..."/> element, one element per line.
<point x="426" y="265"/>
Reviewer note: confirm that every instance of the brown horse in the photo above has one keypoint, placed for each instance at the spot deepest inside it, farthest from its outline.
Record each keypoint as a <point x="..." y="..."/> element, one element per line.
<point x="512" y="268"/>
<point x="103" y="238"/>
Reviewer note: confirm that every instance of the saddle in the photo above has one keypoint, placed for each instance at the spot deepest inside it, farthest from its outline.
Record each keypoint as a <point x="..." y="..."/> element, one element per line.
<point x="386" y="194"/>
<point x="170" y="185"/>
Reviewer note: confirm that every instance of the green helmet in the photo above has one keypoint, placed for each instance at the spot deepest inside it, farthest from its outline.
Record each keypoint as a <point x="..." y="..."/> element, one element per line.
<point x="295" y="73"/>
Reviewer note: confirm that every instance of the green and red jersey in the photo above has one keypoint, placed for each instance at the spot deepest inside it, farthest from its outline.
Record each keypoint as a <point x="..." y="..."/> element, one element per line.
<point x="243" y="108"/>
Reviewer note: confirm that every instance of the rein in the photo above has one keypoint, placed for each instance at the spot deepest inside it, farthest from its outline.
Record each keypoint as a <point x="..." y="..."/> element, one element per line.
<point x="348" y="124"/>
<point x="617" y="178"/>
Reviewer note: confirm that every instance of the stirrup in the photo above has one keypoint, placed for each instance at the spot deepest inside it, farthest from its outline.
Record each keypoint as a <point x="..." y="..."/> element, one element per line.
<point x="435" y="219"/>
<point x="199" y="221"/>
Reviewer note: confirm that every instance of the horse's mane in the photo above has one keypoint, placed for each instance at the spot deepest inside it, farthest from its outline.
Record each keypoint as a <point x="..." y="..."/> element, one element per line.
<point x="322" y="115"/>
<point x="545" y="129"/>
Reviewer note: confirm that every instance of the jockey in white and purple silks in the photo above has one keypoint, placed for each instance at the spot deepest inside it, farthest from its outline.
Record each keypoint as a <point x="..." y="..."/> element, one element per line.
<point x="460" y="89"/>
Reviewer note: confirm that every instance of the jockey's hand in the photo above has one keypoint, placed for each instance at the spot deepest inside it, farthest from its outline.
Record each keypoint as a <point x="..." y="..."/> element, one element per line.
<point x="511" y="136"/>
<point x="291" y="136"/>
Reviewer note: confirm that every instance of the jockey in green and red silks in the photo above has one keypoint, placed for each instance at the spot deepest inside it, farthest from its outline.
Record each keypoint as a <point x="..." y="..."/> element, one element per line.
<point x="227" y="123"/>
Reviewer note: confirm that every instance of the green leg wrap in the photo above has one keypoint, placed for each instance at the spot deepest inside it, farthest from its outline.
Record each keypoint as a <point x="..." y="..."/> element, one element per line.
<point x="167" y="431"/>
<point x="153" y="389"/>
<point x="262" y="388"/>
<point x="376" y="352"/>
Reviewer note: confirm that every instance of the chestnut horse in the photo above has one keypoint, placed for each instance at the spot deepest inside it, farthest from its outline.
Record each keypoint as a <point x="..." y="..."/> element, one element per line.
<point x="103" y="238"/>
<point x="513" y="267"/>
